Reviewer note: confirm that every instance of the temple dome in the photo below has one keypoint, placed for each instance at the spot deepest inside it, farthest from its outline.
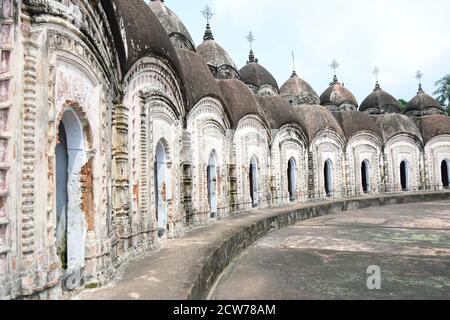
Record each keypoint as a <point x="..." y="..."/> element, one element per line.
<point x="338" y="98"/>
<point x="278" y="111"/>
<point x="299" y="92"/>
<point x="354" y="123"/>
<point x="197" y="78"/>
<point x="239" y="100"/>
<point x="423" y="104"/>
<point x="133" y="41"/>
<point x="176" y="30"/>
<point x="380" y="102"/>
<point x="218" y="60"/>
<point x="395" y="124"/>
<point x="434" y="126"/>
<point x="258" y="78"/>
<point x="315" y="119"/>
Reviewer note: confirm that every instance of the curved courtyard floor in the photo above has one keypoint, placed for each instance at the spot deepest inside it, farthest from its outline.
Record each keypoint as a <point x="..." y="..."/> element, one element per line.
<point x="328" y="257"/>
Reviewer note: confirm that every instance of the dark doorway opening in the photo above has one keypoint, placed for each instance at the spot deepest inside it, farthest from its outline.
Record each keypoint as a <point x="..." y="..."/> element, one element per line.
<point x="365" y="176"/>
<point x="292" y="184"/>
<point x="328" y="174"/>
<point x="404" y="174"/>
<point x="254" y="182"/>
<point x="445" y="172"/>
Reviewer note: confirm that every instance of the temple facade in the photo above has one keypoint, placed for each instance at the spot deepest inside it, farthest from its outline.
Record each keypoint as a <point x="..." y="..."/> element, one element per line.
<point x="117" y="132"/>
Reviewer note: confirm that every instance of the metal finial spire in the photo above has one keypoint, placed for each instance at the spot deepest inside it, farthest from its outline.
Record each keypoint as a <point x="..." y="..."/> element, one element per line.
<point x="208" y="13"/>
<point x="250" y="38"/>
<point x="294" y="73"/>
<point x="334" y="65"/>
<point x="376" y="72"/>
<point x="419" y="76"/>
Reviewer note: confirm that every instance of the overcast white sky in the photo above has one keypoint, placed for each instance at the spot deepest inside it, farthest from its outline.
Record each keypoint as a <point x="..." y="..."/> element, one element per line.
<point x="399" y="36"/>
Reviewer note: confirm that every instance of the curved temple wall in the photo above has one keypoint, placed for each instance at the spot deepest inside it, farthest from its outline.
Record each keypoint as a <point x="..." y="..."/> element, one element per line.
<point x="72" y="56"/>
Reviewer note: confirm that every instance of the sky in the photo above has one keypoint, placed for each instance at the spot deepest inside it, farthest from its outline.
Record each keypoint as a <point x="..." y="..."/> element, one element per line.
<point x="399" y="36"/>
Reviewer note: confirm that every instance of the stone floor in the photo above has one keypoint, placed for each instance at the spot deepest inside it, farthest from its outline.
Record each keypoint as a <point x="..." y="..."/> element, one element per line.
<point x="328" y="257"/>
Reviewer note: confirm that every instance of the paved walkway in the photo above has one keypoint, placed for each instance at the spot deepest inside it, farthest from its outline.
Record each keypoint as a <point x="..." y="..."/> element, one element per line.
<point x="168" y="274"/>
<point x="328" y="257"/>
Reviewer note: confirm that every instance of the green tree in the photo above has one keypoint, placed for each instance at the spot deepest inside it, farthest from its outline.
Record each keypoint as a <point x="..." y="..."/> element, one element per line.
<point x="442" y="92"/>
<point x="403" y="104"/>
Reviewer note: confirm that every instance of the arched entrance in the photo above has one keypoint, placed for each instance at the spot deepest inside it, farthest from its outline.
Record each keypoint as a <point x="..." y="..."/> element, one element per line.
<point x="328" y="177"/>
<point x="404" y="175"/>
<point x="71" y="222"/>
<point x="212" y="184"/>
<point x="365" y="176"/>
<point x="254" y="181"/>
<point x="162" y="187"/>
<point x="292" y="179"/>
<point x="445" y="174"/>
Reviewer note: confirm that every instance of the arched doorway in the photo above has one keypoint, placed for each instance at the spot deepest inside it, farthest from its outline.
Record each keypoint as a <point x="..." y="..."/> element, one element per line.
<point x="292" y="179"/>
<point x="404" y="175"/>
<point x="328" y="177"/>
<point x="254" y="181"/>
<point x="162" y="185"/>
<point x="445" y="174"/>
<point x="365" y="176"/>
<point x="212" y="184"/>
<point x="71" y="221"/>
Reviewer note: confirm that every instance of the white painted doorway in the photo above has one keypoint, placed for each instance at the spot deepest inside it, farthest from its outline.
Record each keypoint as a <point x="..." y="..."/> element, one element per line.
<point x="71" y="223"/>
<point x="254" y="190"/>
<point x="212" y="184"/>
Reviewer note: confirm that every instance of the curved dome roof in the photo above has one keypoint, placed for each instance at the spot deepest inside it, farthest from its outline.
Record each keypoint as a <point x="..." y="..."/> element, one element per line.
<point x="424" y="104"/>
<point x="379" y="101"/>
<point x="239" y="99"/>
<point x="394" y="124"/>
<point x="278" y="111"/>
<point x="256" y="75"/>
<point x="172" y="24"/>
<point x="354" y="122"/>
<point x="433" y="126"/>
<point x="338" y="95"/>
<point x="300" y="89"/>
<point x="133" y="41"/>
<point x="214" y="55"/>
<point x="198" y="80"/>
<point x="315" y="119"/>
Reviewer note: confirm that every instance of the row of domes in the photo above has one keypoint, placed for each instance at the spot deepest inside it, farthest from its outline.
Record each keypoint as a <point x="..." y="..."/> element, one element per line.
<point x="298" y="92"/>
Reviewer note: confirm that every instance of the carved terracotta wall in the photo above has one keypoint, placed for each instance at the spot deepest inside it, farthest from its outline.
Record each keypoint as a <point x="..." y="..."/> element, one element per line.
<point x="6" y="49"/>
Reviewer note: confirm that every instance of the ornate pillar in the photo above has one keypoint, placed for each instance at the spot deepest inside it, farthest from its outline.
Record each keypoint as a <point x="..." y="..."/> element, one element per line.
<point x="28" y="151"/>
<point x="6" y="104"/>
<point x="232" y="174"/>
<point x="186" y="177"/>
<point x="311" y="185"/>
<point x="120" y="179"/>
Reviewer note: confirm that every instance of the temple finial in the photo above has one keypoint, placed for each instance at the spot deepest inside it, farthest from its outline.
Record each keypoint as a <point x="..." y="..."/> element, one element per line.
<point x="376" y="72"/>
<point x="208" y="14"/>
<point x="294" y="73"/>
<point x="251" y="38"/>
<point x="419" y="76"/>
<point x="335" y="65"/>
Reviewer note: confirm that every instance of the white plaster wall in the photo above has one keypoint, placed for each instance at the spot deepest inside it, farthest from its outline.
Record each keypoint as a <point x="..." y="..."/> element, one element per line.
<point x="398" y="149"/>
<point x="436" y="151"/>
<point x="360" y="148"/>
<point x="328" y="146"/>
<point x="251" y="139"/>
<point x="207" y="125"/>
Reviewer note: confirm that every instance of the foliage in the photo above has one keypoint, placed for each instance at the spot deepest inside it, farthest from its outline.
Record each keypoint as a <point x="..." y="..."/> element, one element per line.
<point x="442" y="92"/>
<point x="403" y="104"/>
